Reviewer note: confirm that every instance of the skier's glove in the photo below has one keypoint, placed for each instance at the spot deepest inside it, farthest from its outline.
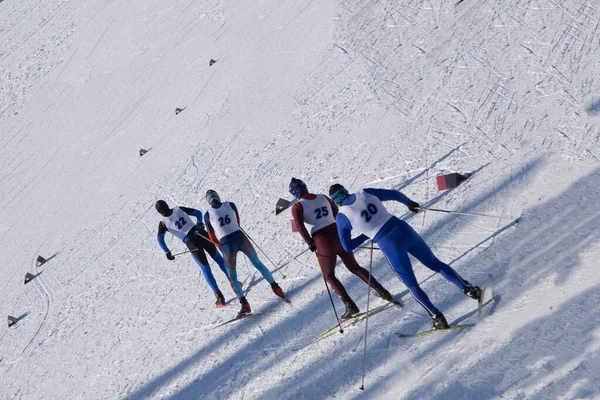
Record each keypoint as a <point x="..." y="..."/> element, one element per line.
<point x="312" y="246"/>
<point x="414" y="206"/>
<point x="170" y="256"/>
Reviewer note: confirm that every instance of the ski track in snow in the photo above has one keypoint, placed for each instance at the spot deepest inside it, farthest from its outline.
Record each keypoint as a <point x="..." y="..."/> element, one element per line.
<point x="365" y="93"/>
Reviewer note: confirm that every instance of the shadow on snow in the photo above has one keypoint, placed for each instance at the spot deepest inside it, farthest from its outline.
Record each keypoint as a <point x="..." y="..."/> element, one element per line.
<point x="551" y="235"/>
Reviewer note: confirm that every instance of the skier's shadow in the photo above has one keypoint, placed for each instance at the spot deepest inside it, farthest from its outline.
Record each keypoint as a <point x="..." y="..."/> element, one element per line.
<point x="454" y="261"/>
<point x="542" y="239"/>
<point x="209" y="381"/>
<point x="488" y="309"/>
<point x="533" y="243"/>
<point x="531" y="354"/>
<point x="223" y="370"/>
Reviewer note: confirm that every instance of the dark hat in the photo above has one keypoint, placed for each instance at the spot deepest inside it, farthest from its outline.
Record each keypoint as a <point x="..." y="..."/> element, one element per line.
<point x="338" y="193"/>
<point x="297" y="188"/>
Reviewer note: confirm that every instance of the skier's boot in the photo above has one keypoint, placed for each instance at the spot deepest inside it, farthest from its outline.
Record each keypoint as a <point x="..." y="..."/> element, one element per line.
<point x="473" y="292"/>
<point x="383" y="294"/>
<point x="245" y="307"/>
<point x="439" y="321"/>
<point x="220" y="303"/>
<point x="277" y="290"/>
<point x="351" y="309"/>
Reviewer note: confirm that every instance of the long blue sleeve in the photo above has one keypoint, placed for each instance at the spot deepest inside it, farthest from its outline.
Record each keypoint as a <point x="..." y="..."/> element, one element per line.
<point x="161" y="243"/>
<point x="344" y="228"/>
<point x="194" y="213"/>
<point x="198" y="215"/>
<point x="387" y="194"/>
<point x="237" y="215"/>
<point x="207" y="224"/>
<point x="162" y="229"/>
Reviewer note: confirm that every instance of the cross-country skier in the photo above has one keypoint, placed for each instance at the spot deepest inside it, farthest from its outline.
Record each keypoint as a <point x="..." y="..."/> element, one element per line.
<point x="178" y="222"/>
<point x="364" y="212"/>
<point x="318" y="212"/>
<point x="222" y="222"/>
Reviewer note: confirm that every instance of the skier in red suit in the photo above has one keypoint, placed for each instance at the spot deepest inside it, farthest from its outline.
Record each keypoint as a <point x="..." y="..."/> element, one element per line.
<point x="317" y="212"/>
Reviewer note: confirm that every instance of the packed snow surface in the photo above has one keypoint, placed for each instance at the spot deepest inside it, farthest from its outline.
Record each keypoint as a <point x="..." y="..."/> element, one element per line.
<point x="378" y="93"/>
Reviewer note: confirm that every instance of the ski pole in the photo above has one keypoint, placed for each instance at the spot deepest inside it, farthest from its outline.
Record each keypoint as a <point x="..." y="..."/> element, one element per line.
<point x="330" y="298"/>
<point x="463" y="213"/>
<point x="367" y="323"/>
<point x="368" y="245"/>
<point x="184" y="252"/>
<point x="205" y="238"/>
<point x="258" y="247"/>
<point x="193" y="251"/>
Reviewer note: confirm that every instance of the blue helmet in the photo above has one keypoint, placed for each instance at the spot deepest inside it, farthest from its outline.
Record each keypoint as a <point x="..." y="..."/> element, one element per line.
<point x="338" y="193"/>
<point x="297" y="188"/>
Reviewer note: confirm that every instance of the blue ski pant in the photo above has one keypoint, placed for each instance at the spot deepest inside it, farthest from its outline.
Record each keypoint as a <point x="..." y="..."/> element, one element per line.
<point x="206" y="271"/>
<point x="198" y="242"/>
<point x="401" y="240"/>
<point x="230" y="246"/>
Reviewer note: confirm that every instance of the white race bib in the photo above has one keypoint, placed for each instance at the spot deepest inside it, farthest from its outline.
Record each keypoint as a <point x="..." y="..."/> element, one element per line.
<point x="178" y="223"/>
<point x="223" y="220"/>
<point x="367" y="214"/>
<point x="317" y="213"/>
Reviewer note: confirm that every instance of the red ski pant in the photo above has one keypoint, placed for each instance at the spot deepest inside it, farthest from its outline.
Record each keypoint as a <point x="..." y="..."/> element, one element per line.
<point x="329" y="248"/>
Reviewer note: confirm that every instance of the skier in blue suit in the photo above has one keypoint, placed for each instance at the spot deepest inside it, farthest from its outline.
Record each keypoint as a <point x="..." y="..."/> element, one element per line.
<point x="364" y="212"/>
<point x="223" y="226"/>
<point x="177" y="221"/>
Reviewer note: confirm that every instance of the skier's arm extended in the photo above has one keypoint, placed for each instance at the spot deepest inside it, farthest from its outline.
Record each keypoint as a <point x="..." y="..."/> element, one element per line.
<point x="162" y="229"/>
<point x="344" y="228"/>
<point x="210" y="230"/>
<point x="194" y="213"/>
<point x="387" y="194"/>
<point x="298" y="215"/>
<point x="237" y="214"/>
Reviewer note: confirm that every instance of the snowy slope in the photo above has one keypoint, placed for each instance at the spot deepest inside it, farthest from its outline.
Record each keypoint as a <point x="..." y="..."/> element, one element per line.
<point x="365" y="93"/>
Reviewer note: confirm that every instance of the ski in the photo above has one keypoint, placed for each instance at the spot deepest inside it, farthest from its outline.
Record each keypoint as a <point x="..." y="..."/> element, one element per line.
<point x="357" y="317"/>
<point x="430" y="331"/>
<point x="245" y="316"/>
<point x="360" y="316"/>
<point x="346" y="323"/>
<point x="481" y="303"/>
<point x="394" y="302"/>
